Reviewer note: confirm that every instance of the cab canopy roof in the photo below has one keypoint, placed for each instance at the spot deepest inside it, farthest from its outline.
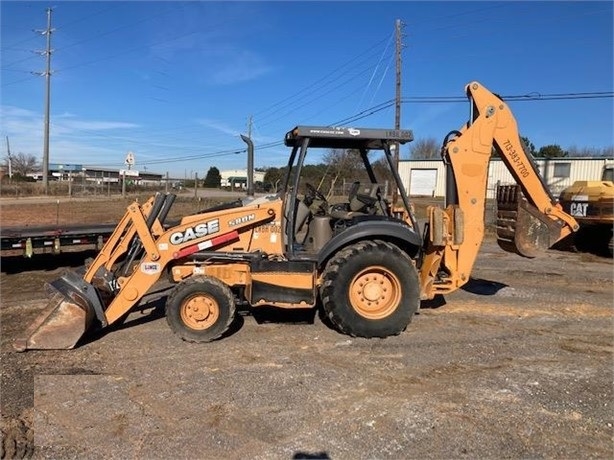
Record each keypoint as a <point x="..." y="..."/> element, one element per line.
<point x="347" y="138"/>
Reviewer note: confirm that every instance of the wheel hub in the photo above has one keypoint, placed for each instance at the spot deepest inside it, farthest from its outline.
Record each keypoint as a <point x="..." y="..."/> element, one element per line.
<point x="375" y="292"/>
<point x="372" y="291"/>
<point x="200" y="312"/>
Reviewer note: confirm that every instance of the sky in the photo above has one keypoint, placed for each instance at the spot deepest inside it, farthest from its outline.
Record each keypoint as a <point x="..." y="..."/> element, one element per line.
<point x="176" y="83"/>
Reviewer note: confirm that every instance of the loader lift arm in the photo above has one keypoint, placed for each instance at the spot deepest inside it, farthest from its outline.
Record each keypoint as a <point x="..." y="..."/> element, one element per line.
<point x="527" y="222"/>
<point x="134" y="258"/>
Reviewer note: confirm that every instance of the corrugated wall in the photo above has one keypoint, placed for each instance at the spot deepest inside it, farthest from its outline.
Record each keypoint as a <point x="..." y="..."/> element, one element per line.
<point x="558" y="173"/>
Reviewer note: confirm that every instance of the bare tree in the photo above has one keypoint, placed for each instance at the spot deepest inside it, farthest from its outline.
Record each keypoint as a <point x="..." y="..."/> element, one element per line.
<point x="575" y="151"/>
<point x="424" y="149"/>
<point x="22" y="164"/>
<point x="343" y="163"/>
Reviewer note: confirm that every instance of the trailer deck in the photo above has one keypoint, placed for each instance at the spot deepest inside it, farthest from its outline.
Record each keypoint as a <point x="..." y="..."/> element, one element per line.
<point x="53" y="239"/>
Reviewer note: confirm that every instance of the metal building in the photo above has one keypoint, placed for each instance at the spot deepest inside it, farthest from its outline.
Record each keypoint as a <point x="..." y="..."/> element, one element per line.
<point x="427" y="177"/>
<point x="237" y="178"/>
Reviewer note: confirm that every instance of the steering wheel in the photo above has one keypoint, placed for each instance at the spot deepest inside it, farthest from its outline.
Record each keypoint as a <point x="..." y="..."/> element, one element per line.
<point x="315" y="193"/>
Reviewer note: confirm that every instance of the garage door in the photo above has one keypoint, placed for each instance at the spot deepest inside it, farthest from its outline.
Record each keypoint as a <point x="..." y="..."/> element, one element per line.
<point x="423" y="182"/>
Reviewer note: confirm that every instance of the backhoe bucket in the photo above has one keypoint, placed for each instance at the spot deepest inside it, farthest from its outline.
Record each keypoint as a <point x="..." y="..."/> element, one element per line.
<point x="63" y="322"/>
<point x="521" y="227"/>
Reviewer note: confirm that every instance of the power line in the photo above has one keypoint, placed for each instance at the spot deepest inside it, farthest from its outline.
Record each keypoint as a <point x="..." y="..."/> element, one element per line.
<point x="531" y="97"/>
<point x="87" y="16"/>
<point x="320" y="80"/>
<point x="130" y="50"/>
<point x="314" y="99"/>
<point x="11" y="64"/>
<point x="534" y="96"/>
<point x="17" y="81"/>
<point x="374" y="72"/>
<point x="125" y="26"/>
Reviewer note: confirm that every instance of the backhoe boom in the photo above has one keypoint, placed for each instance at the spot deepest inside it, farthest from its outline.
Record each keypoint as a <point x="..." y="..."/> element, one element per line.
<point x="524" y="225"/>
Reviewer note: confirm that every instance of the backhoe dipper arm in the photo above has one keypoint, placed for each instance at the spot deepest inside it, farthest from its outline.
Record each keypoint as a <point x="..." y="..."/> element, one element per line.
<point x="455" y="234"/>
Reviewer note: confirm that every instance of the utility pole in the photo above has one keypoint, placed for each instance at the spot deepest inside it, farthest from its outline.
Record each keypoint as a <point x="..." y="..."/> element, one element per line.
<point x="47" y="74"/>
<point x="8" y="151"/>
<point x="397" y="106"/>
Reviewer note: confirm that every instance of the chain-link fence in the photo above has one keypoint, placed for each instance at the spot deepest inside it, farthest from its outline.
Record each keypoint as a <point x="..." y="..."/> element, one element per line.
<point x="81" y="188"/>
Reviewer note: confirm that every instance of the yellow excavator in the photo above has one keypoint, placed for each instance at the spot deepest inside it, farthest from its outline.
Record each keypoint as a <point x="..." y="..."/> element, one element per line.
<point x="591" y="203"/>
<point x="363" y="261"/>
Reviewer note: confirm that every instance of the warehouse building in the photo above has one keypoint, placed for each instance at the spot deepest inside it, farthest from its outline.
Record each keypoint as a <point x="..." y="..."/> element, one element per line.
<point x="428" y="177"/>
<point x="237" y="178"/>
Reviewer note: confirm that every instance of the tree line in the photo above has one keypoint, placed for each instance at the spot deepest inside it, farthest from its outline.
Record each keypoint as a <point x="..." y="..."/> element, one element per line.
<point x="337" y="165"/>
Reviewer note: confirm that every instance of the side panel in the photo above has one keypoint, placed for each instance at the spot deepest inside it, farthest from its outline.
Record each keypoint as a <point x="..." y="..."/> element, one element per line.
<point x="285" y="284"/>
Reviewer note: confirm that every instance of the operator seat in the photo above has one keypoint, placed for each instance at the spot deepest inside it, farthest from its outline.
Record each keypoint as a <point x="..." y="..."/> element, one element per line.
<point x="360" y="198"/>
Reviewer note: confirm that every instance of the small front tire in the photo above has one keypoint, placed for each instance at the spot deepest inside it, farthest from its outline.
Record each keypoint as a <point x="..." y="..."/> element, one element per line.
<point x="200" y="309"/>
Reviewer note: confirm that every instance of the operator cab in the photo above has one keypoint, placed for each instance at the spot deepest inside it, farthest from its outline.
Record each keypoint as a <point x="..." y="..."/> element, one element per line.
<point x="318" y="213"/>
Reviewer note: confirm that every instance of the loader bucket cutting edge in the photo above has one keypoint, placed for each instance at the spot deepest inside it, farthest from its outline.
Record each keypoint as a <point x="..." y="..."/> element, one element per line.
<point x="61" y="324"/>
<point x="521" y="228"/>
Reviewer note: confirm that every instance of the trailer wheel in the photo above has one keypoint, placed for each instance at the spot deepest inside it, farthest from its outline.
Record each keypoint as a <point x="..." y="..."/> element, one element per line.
<point x="200" y="309"/>
<point x="370" y="289"/>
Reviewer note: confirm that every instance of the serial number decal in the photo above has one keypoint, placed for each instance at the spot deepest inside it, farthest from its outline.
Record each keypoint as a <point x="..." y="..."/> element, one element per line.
<point x="269" y="228"/>
<point x="518" y="164"/>
<point x="398" y="133"/>
<point x="198" y="231"/>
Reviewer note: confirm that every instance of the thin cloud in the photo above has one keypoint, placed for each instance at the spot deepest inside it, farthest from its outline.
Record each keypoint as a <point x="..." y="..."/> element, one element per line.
<point x="218" y="126"/>
<point x="237" y="67"/>
<point x="96" y="125"/>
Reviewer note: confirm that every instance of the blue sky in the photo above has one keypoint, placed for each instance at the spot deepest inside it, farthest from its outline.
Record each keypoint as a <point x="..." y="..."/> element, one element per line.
<point x="176" y="82"/>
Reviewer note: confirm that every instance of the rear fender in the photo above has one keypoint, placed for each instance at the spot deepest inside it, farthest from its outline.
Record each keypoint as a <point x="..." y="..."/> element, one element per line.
<point x="388" y="230"/>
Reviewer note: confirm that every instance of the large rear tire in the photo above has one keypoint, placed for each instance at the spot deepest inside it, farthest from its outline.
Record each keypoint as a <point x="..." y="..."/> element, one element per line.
<point x="200" y="309"/>
<point x="370" y="289"/>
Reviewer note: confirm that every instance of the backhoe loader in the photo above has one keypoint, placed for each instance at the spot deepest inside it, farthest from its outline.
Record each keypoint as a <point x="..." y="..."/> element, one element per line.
<point x="363" y="261"/>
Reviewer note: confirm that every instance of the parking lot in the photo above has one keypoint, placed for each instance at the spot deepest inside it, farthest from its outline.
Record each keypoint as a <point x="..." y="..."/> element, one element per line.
<point x="517" y="364"/>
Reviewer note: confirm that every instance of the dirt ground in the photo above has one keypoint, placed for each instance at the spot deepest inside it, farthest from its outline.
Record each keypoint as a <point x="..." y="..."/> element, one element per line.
<point x="518" y="364"/>
<point x="38" y="211"/>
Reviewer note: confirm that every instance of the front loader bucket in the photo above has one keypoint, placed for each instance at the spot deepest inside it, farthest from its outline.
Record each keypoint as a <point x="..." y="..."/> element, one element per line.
<point x="521" y="227"/>
<point x="62" y="323"/>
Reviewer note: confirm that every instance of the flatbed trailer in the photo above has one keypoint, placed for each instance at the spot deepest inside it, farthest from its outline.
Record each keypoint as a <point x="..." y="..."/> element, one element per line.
<point x="53" y="239"/>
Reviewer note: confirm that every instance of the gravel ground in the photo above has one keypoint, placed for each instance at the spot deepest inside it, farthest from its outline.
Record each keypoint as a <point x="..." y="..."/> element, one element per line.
<point x="517" y="365"/>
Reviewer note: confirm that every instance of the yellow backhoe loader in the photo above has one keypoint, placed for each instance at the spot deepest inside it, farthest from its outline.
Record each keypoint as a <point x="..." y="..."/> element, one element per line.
<point x="363" y="261"/>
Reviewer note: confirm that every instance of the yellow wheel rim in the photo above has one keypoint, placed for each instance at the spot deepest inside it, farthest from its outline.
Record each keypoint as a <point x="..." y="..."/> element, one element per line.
<point x="200" y="312"/>
<point x="375" y="292"/>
